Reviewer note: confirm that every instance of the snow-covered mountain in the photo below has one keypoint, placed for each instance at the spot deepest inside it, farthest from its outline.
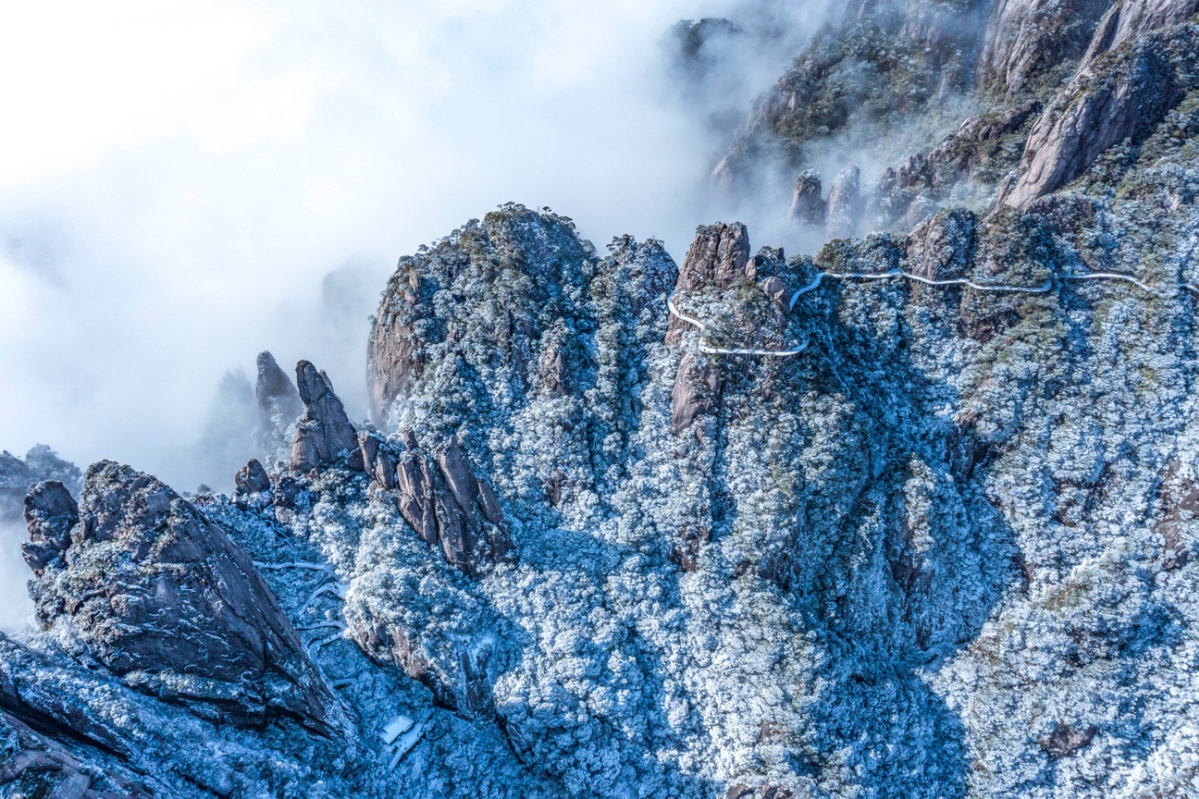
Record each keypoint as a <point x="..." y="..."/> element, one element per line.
<point x="911" y="517"/>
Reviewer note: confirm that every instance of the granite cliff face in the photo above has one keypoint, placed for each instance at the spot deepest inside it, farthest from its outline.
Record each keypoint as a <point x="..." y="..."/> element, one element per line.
<point x="913" y="516"/>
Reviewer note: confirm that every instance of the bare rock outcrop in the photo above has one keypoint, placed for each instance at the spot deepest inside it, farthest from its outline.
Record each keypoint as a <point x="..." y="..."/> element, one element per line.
<point x="279" y="402"/>
<point x="717" y="260"/>
<point x="325" y="436"/>
<point x="442" y="498"/>
<point x="807" y="202"/>
<point x="696" y="392"/>
<point x="1128" y="19"/>
<point x="50" y="513"/>
<point x="252" y="479"/>
<point x="844" y="203"/>
<point x="1123" y="99"/>
<point x="163" y="598"/>
<point x="942" y="248"/>
<point x="34" y="760"/>
<point x="1026" y="39"/>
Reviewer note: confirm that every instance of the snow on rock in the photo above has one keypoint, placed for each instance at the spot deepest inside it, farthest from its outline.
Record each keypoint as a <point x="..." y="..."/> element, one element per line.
<point x="325" y="435"/>
<point x="161" y="596"/>
<point x="1121" y="98"/>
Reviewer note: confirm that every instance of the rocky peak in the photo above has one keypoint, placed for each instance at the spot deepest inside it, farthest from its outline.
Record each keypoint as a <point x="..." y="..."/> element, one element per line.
<point x="163" y="598"/>
<point x="442" y="498"/>
<point x="844" y="203"/>
<point x="526" y="322"/>
<point x="718" y="258"/>
<point x="325" y="436"/>
<point x="807" y="200"/>
<point x="50" y="514"/>
<point x="279" y="402"/>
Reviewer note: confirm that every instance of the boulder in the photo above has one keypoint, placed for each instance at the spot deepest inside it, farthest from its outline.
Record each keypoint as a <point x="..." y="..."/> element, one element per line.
<point x="252" y="479"/>
<point x="1065" y="740"/>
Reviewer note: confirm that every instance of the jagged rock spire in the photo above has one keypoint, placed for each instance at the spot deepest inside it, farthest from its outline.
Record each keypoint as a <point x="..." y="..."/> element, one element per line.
<point x="442" y="498"/>
<point x="844" y="203"/>
<point x="278" y="400"/>
<point x="325" y="436"/>
<point x="807" y="204"/>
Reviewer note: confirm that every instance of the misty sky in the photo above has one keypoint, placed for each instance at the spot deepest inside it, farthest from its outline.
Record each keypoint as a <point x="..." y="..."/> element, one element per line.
<point x="188" y="183"/>
<point x="181" y="179"/>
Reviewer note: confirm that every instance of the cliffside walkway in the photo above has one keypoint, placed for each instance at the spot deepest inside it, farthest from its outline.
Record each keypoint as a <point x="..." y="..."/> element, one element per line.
<point x="997" y="288"/>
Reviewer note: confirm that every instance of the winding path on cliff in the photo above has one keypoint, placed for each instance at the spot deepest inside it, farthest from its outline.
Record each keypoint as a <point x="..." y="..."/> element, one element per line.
<point x="997" y="288"/>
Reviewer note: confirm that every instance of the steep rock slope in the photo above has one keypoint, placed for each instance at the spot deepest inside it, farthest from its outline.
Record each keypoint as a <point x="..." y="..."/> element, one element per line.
<point x="1035" y="95"/>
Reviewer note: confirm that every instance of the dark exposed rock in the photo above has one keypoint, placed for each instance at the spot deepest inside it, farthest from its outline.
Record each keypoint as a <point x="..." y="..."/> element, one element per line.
<point x="1122" y="98"/>
<point x="443" y="501"/>
<point x="325" y="437"/>
<point x="17" y="475"/>
<point x="688" y="543"/>
<point x="467" y="690"/>
<point x="807" y="202"/>
<point x="1066" y="740"/>
<point x="779" y="293"/>
<point x="696" y="391"/>
<point x="279" y="402"/>
<point x="844" y="208"/>
<point x="162" y="597"/>
<point x="252" y="479"/>
<point x="379" y="459"/>
<point x="22" y="695"/>
<point x="718" y="258"/>
<point x="253" y="486"/>
<point x="35" y="760"/>
<point x="50" y="513"/>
